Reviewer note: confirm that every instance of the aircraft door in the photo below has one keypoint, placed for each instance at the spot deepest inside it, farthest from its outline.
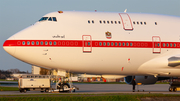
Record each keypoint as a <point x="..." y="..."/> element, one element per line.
<point x="87" y="43"/>
<point x="156" y="42"/>
<point x="126" y="21"/>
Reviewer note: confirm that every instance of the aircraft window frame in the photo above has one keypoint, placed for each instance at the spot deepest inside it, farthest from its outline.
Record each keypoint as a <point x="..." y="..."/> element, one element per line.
<point x="54" y="43"/>
<point x="167" y="45"/>
<point x="170" y="44"/>
<point x="43" y="19"/>
<point x="112" y="43"/>
<point x="119" y="43"/>
<point x="131" y="44"/>
<point x="108" y="43"/>
<point x="127" y="44"/>
<point x="115" y="22"/>
<point x="37" y="42"/>
<point x="164" y="44"/>
<point x="54" y="18"/>
<point x="115" y="43"/>
<point x="124" y="44"/>
<point x="42" y="43"/>
<point x="104" y="43"/>
<point x="32" y="43"/>
<point x="50" y="43"/>
<point x="23" y="43"/>
<point x="100" y="43"/>
<point x="119" y="22"/>
<point x="28" y="43"/>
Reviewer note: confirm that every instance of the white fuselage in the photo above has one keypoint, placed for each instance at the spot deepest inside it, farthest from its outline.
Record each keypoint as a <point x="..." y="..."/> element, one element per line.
<point x="85" y="42"/>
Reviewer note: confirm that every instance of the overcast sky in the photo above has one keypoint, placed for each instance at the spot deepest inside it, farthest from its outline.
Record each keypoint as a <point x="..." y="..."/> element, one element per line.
<point x="16" y="15"/>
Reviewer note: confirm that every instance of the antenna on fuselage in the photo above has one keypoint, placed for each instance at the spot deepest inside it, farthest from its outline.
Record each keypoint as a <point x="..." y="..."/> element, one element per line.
<point x="125" y="10"/>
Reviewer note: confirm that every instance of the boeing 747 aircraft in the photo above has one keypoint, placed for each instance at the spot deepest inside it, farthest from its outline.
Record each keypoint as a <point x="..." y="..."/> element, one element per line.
<point x="143" y="47"/>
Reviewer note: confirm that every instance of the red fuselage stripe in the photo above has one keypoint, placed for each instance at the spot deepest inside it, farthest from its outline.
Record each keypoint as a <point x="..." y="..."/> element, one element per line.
<point x="90" y="43"/>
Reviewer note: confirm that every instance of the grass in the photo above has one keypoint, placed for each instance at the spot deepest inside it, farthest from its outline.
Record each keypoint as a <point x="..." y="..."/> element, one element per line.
<point x="9" y="88"/>
<point x="84" y="97"/>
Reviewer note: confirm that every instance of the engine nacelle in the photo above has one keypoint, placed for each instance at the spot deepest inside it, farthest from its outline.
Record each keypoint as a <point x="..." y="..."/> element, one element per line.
<point x="146" y="80"/>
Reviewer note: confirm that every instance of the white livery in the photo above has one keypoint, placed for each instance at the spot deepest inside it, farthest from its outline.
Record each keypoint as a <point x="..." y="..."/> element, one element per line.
<point x="131" y="44"/>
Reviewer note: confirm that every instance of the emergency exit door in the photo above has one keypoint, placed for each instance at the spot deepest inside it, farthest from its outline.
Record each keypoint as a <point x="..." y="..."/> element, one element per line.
<point x="87" y="43"/>
<point x="156" y="42"/>
<point x="126" y="21"/>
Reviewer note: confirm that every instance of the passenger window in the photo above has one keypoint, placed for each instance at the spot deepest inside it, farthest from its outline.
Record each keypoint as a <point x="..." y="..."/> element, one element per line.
<point x="145" y="23"/>
<point x="100" y="43"/>
<point x="174" y="45"/>
<point x="127" y="44"/>
<point x="46" y="43"/>
<point x="112" y="44"/>
<point x="23" y="43"/>
<point x="155" y="23"/>
<point x="134" y="22"/>
<point x="89" y="43"/>
<point x="116" y="44"/>
<point x="119" y="44"/>
<point x="131" y="44"/>
<point x="164" y="44"/>
<point x="28" y="43"/>
<point x="88" y="21"/>
<point x="50" y="43"/>
<point x="167" y="45"/>
<point x="108" y="22"/>
<point x="100" y="21"/>
<point x="137" y="22"/>
<point x="104" y="21"/>
<point x="115" y="22"/>
<point x="108" y="44"/>
<point x="32" y="42"/>
<point x="41" y="42"/>
<point x="37" y="43"/>
<point x="54" y="43"/>
<point x="123" y="44"/>
<point x="119" y="22"/>
<point x="141" y="23"/>
<point x="92" y="21"/>
<point x="54" y="19"/>
<point x="171" y="45"/>
<point x="111" y="22"/>
<point x="104" y="43"/>
<point x="50" y="19"/>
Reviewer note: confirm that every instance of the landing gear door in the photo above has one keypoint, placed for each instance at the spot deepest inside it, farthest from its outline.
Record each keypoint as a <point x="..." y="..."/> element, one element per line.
<point x="87" y="43"/>
<point x="156" y="42"/>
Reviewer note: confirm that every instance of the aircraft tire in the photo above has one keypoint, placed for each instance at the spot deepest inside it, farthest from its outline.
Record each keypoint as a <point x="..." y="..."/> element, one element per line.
<point x="174" y="89"/>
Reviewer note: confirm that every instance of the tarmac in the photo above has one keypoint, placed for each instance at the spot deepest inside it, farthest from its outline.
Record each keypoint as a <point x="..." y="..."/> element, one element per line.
<point x="105" y="89"/>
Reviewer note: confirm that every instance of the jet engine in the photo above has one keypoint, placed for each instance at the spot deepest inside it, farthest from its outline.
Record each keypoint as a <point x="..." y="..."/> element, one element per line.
<point x="141" y="79"/>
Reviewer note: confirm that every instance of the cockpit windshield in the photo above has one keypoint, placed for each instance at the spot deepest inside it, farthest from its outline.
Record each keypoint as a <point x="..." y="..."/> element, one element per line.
<point x="48" y="19"/>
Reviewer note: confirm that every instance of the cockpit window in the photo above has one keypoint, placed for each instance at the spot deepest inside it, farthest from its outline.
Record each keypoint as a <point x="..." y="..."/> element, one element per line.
<point x="48" y="19"/>
<point x="54" y="19"/>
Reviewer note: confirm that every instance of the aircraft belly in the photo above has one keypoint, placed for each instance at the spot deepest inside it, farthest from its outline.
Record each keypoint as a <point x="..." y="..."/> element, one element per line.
<point x="99" y="61"/>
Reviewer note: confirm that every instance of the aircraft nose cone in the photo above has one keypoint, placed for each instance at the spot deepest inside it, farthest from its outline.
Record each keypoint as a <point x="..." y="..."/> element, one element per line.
<point x="10" y="46"/>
